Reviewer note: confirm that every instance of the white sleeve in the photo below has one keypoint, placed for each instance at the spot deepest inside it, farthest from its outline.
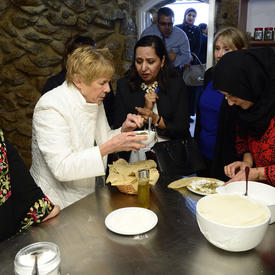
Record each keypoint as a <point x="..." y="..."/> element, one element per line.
<point x="53" y="137"/>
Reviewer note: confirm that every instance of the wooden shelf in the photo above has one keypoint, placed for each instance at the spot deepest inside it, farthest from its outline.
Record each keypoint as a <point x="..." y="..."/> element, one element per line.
<point x="262" y="43"/>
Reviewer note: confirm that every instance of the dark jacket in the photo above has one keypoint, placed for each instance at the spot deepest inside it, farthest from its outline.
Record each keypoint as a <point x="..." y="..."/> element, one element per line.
<point x="203" y="51"/>
<point x="194" y="36"/>
<point x="172" y="106"/>
<point x="225" y="152"/>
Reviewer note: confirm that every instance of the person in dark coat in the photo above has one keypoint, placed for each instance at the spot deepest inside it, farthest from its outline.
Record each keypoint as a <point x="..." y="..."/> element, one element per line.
<point x="203" y="52"/>
<point x="193" y="33"/>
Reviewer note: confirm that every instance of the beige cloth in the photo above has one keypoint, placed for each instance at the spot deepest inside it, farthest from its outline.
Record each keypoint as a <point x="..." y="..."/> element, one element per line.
<point x="123" y="173"/>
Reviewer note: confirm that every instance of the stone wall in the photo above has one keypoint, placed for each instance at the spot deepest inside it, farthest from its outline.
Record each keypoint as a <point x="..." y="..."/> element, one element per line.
<point x="227" y="13"/>
<point x="32" y="38"/>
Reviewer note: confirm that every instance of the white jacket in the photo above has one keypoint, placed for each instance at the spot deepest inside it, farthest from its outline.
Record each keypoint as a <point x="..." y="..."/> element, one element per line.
<point x="65" y="159"/>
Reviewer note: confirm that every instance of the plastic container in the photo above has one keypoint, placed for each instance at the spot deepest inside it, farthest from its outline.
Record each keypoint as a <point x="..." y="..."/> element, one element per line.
<point x="48" y="259"/>
<point x="258" y="34"/>
<point x="143" y="188"/>
<point x="268" y="34"/>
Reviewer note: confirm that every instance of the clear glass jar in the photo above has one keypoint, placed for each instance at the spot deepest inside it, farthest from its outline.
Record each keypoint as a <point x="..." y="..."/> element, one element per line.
<point x="143" y="188"/>
<point x="268" y="33"/>
<point x="48" y="259"/>
<point x="258" y="34"/>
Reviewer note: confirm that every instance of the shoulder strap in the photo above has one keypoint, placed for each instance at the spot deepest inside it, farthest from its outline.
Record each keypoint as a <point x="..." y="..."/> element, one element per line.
<point x="196" y="57"/>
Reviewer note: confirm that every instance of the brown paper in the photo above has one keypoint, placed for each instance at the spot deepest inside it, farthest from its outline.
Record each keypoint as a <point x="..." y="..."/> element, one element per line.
<point x="123" y="173"/>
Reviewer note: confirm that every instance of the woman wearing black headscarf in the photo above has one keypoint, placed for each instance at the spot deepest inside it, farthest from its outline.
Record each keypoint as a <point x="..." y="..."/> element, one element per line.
<point x="193" y="32"/>
<point x="195" y="39"/>
<point x="247" y="79"/>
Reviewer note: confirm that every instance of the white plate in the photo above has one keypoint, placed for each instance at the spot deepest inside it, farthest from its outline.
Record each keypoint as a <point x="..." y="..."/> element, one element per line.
<point x="193" y="184"/>
<point x="131" y="220"/>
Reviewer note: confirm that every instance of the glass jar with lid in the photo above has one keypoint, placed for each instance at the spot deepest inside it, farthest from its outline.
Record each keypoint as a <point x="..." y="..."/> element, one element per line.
<point x="258" y="34"/>
<point x="268" y="33"/>
<point x="47" y="255"/>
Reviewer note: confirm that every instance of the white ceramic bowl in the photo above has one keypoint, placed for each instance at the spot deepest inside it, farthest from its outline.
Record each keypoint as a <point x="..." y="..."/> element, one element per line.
<point x="231" y="237"/>
<point x="149" y="134"/>
<point x="258" y="191"/>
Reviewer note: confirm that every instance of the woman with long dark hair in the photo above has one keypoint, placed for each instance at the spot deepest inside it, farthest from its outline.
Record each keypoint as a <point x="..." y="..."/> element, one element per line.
<point x="152" y="88"/>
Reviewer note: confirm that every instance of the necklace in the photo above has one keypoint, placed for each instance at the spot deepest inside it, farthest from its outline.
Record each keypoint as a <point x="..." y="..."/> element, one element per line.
<point x="150" y="89"/>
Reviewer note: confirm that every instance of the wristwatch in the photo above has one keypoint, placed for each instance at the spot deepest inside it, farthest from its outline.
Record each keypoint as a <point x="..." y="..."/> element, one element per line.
<point x="157" y="123"/>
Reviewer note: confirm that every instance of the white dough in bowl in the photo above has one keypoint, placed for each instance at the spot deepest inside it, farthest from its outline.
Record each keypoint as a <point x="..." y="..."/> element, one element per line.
<point x="233" y="210"/>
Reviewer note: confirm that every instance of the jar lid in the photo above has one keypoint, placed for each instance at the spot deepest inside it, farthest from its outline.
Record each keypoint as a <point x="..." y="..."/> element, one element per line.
<point x="143" y="174"/>
<point x="258" y="29"/>
<point x="268" y="28"/>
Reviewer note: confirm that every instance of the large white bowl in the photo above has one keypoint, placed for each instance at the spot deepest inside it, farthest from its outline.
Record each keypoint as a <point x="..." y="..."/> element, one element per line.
<point x="231" y="237"/>
<point x="149" y="134"/>
<point x="258" y="191"/>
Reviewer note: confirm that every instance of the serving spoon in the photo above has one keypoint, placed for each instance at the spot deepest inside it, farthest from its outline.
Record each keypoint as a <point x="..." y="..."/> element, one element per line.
<point x="149" y="124"/>
<point x="35" y="266"/>
<point x="247" y="169"/>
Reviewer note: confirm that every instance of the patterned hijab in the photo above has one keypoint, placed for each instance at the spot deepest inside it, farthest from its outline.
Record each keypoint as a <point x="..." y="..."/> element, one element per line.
<point x="249" y="75"/>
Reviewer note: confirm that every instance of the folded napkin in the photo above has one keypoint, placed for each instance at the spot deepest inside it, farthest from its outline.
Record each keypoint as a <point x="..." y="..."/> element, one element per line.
<point x="123" y="173"/>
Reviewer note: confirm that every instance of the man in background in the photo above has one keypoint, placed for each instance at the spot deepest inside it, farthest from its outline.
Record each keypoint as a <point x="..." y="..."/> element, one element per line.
<point x="154" y="16"/>
<point x="175" y="39"/>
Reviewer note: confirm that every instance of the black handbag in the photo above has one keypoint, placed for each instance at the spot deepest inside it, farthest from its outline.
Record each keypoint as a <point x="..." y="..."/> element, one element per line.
<point x="178" y="157"/>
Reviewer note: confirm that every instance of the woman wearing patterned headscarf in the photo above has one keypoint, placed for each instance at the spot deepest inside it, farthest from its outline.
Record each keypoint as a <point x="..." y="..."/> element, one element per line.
<point x="22" y="202"/>
<point x="247" y="79"/>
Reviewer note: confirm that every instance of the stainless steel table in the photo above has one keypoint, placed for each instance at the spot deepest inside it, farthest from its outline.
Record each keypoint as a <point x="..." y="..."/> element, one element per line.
<point x="174" y="246"/>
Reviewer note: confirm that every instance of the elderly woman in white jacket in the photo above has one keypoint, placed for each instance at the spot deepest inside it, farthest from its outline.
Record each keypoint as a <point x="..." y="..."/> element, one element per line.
<point x="71" y="136"/>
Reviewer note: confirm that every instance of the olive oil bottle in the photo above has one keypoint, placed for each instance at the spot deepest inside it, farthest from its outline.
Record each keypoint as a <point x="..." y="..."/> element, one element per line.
<point x="143" y="188"/>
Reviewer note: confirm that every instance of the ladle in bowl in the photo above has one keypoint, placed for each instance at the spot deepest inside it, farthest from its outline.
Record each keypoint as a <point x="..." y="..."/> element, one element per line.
<point x="247" y="169"/>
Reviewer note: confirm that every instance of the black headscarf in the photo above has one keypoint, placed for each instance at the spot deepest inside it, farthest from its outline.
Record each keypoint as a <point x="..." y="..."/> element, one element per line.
<point x="249" y="75"/>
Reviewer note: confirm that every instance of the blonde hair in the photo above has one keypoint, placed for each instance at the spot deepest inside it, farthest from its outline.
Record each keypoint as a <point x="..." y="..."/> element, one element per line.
<point x="232" y="37"/>
<point x="89" y="64"/>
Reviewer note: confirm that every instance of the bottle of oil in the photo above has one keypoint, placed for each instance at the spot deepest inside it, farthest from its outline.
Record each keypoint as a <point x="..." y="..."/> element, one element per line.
<point x="143" y="188"/>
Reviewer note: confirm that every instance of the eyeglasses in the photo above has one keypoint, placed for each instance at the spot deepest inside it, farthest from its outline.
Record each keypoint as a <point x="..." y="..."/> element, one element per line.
<point x="163" y="24"/>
